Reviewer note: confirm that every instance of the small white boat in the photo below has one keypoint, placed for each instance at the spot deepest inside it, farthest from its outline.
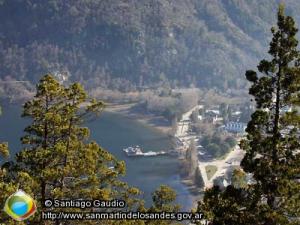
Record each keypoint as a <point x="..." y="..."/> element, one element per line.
<point x="137" y="151"/>
<point x="133" y="151"/>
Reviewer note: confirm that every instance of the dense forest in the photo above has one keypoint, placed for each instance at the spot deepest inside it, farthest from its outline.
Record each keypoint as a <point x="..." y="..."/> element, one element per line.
<point x="127" y="44"/>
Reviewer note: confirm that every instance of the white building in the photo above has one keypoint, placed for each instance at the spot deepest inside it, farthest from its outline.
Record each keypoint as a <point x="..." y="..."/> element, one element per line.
<point x="214" y="112"/>
<point x="236" y="127"/>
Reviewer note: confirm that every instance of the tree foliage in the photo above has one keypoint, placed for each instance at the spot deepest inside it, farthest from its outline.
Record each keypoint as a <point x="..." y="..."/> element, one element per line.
<point x="239" y="179"/>
<point x="272" y="143"/>
<point x="122" y="44"/>
<point x="217" y="145"/>
<point x="58" y="160"/>
<point x="163" y="201"/>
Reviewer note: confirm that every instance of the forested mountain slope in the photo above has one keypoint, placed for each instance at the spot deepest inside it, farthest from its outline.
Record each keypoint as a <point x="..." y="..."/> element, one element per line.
<point x="128" y="43"/>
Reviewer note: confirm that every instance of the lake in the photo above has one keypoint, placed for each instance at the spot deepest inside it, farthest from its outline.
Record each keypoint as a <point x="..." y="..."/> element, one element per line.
<point x="115" y="132"/>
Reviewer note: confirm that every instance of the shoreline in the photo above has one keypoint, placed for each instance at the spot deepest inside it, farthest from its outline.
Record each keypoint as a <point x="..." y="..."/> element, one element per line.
<point x="146" y="119"/>
<point x="158" y="123"/>
<point x="125" y="110"/>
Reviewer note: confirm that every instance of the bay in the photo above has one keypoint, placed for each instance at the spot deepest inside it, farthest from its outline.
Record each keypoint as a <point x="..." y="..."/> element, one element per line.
<point x="115" y="132"/>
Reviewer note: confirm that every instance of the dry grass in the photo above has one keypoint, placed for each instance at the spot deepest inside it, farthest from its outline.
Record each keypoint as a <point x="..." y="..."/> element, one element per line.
<point x="210" y="171"/>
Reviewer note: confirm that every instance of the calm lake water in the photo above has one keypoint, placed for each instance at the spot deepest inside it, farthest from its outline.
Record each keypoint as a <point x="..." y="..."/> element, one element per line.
<point x="115" y="132"/>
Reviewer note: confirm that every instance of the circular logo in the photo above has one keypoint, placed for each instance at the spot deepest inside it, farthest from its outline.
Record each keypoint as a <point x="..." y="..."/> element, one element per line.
<point x="20" y="206"/>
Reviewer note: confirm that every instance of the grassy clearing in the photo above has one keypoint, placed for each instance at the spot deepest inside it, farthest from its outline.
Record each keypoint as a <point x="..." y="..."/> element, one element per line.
<point x="210" y="171"/>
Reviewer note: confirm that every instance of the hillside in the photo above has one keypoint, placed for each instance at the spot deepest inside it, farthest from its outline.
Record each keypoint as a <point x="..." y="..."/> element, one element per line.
<point x="124" y="44"/>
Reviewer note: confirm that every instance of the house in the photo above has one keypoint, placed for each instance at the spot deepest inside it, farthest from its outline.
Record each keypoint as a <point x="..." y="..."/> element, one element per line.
<point x="212" y="112"/>
<point x="217" y="119"/>
<point x="213" y="116"/>
<point x="236" y="113"/>
<point x="235" y="127"/>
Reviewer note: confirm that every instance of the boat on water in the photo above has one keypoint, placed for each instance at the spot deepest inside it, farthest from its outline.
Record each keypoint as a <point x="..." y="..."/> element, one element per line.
<point x="137" y="151"/>
<point x="133" y="151"/>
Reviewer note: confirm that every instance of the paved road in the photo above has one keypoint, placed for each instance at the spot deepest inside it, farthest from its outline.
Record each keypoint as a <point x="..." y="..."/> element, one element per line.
<point x="233" y="159"/>
<point x="184" y="124"/>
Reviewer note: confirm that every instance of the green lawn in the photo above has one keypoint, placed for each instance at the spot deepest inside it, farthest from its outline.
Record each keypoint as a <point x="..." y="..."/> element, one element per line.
<point x="210" y="171"/>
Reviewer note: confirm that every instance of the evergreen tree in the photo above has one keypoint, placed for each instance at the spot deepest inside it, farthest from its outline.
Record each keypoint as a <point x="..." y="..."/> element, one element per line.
<point x="163" y="201"/>
<point x="198" y="178"/>
<point x="58" y="160"/>
<point x="190" y="163"/>
<point x="239" y="179"/>
<point x="228" y="207"/>
<point x="224" y="111"/>
<point x="272" y="143"/>
<point x="195" y="116"/>
<point x="163" y="198"/>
